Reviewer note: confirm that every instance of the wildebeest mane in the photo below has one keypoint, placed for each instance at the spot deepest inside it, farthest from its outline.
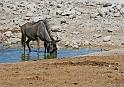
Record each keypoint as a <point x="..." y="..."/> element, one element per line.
<point x="44" y="21"/>
<point x="47" y="27"/>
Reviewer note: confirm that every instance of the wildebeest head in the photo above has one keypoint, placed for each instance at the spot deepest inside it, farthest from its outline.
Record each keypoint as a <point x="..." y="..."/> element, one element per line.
<point x="52" y="47"/>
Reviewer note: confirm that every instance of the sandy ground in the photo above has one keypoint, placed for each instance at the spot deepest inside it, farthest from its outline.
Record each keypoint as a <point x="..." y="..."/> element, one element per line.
<point x="95" y="71"/>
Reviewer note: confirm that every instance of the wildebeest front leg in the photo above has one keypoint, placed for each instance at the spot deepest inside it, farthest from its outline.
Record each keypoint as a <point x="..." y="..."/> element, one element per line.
<point x="23" y="40"/>
<point x="38" y="47"/>
<point x="24" y="45"/>
<point x="27" y="42"/>
<point x="45" y="48"/>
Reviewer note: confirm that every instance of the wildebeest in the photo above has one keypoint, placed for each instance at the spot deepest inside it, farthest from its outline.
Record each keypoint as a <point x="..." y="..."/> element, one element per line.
<point x="36" y="31"/>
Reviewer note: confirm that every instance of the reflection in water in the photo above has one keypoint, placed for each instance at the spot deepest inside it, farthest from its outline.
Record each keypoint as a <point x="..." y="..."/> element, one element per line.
<point x="52" y="56"/>
<point x="27" y="57"/>
<point x="16" y="55"/>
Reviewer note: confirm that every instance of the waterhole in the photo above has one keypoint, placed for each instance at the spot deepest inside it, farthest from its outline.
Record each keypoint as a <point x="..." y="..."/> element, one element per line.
<point x="16" y="55"/>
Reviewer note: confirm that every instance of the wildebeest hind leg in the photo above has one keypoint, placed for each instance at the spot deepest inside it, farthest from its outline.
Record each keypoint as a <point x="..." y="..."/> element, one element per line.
<point x="38" y="46"/>
<point x="27" y="42"/>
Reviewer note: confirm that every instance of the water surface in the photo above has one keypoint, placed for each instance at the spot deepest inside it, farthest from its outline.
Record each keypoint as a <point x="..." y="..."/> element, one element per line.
<point x="16" y="55"/>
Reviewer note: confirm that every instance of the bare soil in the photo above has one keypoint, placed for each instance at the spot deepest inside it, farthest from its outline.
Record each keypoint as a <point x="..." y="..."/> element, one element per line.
<point x="96" y="71"/>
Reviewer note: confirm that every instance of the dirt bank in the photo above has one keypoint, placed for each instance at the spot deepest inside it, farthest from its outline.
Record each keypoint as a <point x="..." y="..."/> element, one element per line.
<point x="75" y="72"/>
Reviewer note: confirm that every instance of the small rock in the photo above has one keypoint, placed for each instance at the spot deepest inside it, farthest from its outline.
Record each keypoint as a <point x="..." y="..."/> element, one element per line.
<point x="116" y="15"/>
<point x="1" y="4"/>
<point x="116" y="68"/>
<point x="107" y="5"/>
<point x="75" y="32"/>
<point x="27" y="18"/>
<point x="86" y="42"/>
<point x="110" y="30"/>
<point x="1" y="35"/>
<point x="59" y="12"/>
<point x="103" y="11"/>
<point x="8" y="34"/>
<point x="13" y="40"/>
<point x="63" y="22"/>
<point x="65" y="14"/>
<point x="94" y="15"/>
<point x="29" y="14"/>
<point x="122" y="5"/>
<point x="90" y="3"/>
<point x="106" y="38"/>
<point x="67" y="43"/>
<point x="68" y="12"/>
<point x="3" y="18"/>
<point x="122" y="43"/>
<point x="109" y="43"/>
<point x="18" y="35"/>
<point x="97" y="35"/>
<point x="74" y="44"/>
<point x="56" y="28"/>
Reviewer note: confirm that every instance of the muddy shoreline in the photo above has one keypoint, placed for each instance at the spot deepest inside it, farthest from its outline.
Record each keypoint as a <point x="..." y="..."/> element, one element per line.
<point x="107" y="71"/>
